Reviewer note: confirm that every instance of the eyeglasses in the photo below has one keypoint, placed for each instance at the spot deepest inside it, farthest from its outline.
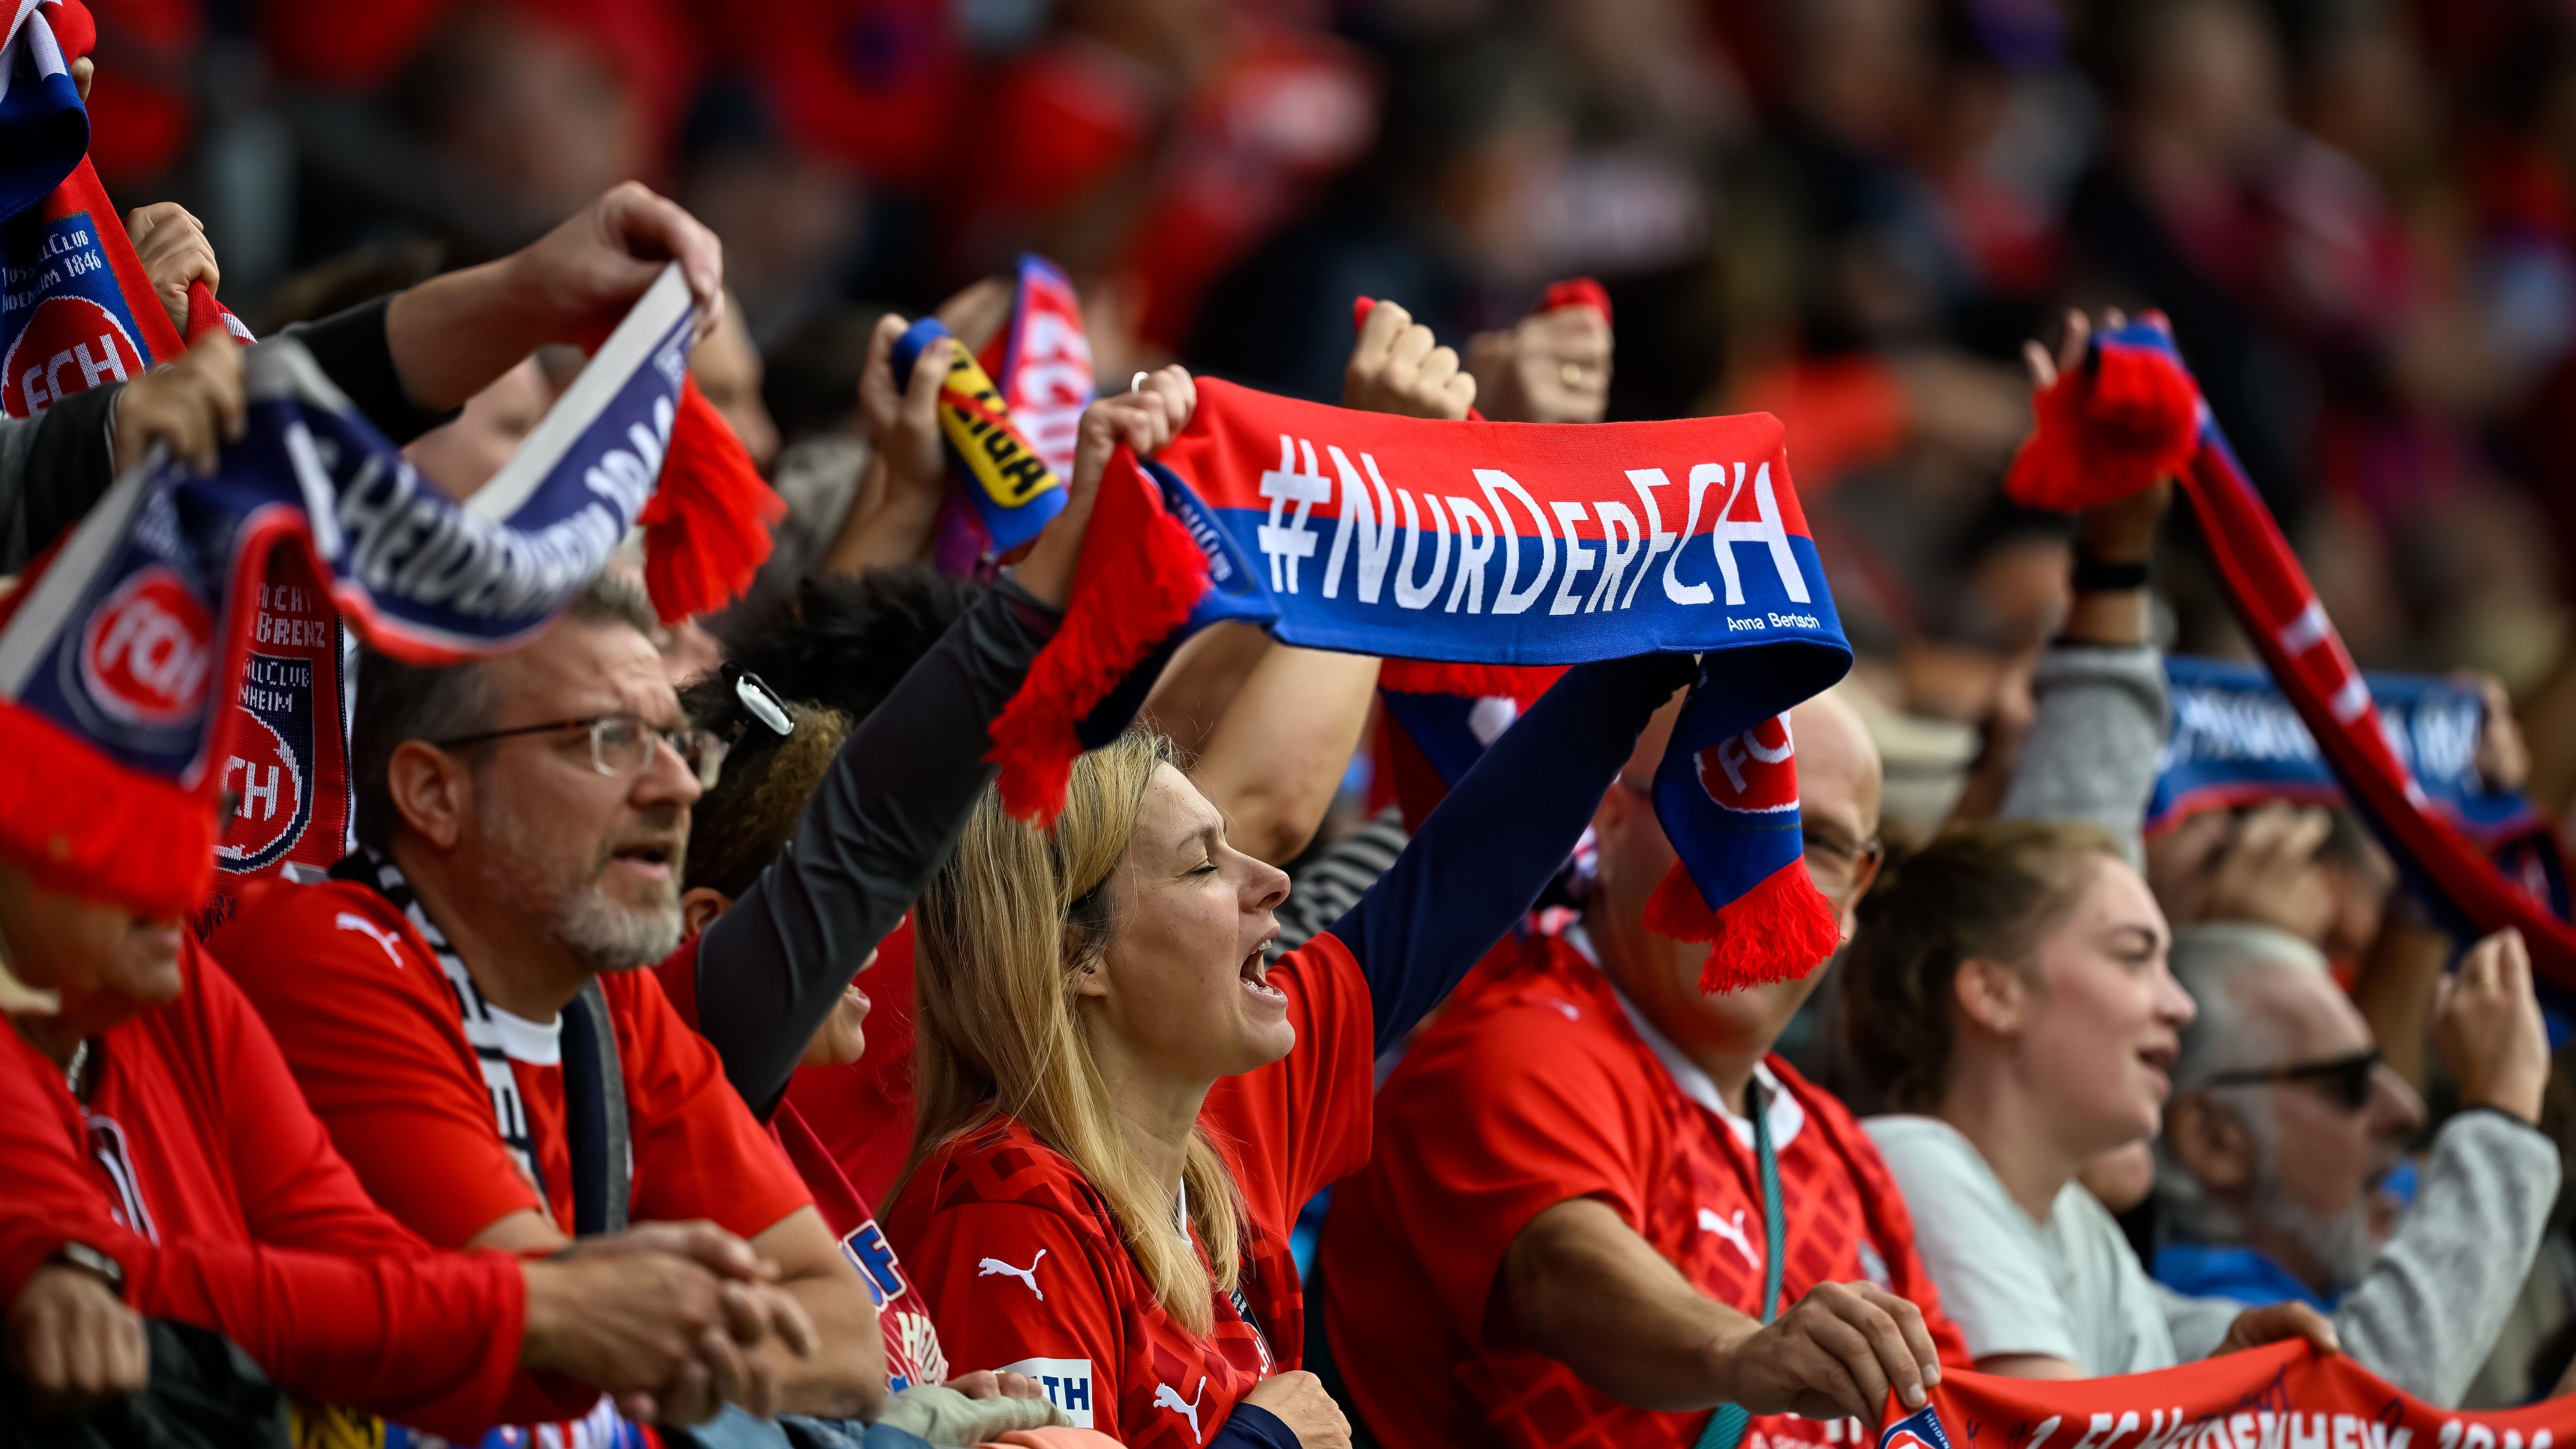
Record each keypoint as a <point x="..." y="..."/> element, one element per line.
<point x="2345" y="1081"/>
<point x="621" y="744"/>
<point x="1836" y="863"/>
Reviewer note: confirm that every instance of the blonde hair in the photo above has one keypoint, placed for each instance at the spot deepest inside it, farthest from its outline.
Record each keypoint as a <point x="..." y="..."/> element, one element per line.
<point x="1005" y="931"/>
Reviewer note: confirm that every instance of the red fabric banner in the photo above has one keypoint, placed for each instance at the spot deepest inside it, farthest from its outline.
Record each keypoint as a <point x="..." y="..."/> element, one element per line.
<point x="2278" y="1397"/>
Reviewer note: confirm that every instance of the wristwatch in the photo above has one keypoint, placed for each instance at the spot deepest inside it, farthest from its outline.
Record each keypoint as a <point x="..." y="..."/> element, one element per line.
<point x="82" y="1255"/>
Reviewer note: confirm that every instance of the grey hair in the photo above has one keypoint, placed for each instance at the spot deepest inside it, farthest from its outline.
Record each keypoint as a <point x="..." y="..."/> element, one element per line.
<point x="399" y="702"/>
<point x="2213" y="962"/>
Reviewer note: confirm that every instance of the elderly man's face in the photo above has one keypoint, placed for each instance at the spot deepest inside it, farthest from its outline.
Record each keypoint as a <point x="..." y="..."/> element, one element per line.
<point x="2305" y="1175"/>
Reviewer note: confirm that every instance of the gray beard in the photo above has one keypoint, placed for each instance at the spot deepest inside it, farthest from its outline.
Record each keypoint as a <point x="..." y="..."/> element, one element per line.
<point x="2340" y="1244"/>
<point x="599" y="934"/>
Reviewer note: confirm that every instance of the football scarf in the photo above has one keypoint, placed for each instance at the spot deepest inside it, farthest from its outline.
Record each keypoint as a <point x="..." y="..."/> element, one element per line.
<point x="2280" y="1396"/>
<point x="2130" y="415"/>
<point x="2236" y="741"/>
<point x="1010" y="418"/>
<point x="1482" y="544"/>
<point x="112" y="650"/>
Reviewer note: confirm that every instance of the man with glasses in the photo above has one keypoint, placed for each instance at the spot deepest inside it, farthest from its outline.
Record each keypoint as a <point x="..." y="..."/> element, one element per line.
<point x="462" y="1003"/>
<point x="1567" y="1210"/>
<point x="2284" y="1130"/>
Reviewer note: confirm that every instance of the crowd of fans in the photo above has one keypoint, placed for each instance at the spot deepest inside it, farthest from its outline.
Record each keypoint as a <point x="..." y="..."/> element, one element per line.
<point x="691" y="1049"/>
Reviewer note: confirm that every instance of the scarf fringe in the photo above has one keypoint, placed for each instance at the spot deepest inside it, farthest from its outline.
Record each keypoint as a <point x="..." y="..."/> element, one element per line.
<point x="1522" y="682"/>
<point x="706" y="527"/>
<point x="1139" y="577"/>
<point x="1779" y="930"/>
<point x="2119" y="423"/>
<point x="80" y="823"/>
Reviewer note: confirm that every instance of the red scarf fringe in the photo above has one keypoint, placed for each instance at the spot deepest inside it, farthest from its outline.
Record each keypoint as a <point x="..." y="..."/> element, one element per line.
<point x="1780" y="930"/>
<point x="1139" y="577"/>
<point x="706" y="527"/>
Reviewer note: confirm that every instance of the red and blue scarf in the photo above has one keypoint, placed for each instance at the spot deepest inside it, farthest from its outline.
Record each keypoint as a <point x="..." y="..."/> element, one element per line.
<point x="1476" y="543"/>
<point x="2130" y="415"/>
<point x="117" y="649"/>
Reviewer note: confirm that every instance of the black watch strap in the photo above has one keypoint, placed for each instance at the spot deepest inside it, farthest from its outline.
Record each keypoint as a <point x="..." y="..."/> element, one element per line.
<point x="2095" y="575"/>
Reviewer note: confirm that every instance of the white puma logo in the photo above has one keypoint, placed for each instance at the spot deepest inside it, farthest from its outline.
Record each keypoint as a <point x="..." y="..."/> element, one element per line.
<point x="352" y="921"/>
<point x="1167" y="1397"/>
<point x="1028" y="1275"/>
<point x="1732" y="1231"/>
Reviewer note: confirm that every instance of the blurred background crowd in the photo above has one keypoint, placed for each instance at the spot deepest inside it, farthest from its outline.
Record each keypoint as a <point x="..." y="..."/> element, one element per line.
<point x="2359" y="214"/>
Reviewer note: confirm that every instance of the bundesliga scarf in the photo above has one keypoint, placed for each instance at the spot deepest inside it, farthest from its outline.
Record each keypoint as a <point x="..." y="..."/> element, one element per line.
<point x="2279" y="1396"/>
<point x="113" y="650"/>
<point x="1482" y="544"/>
<point x="1011" y="418"/>
<point x="2130" y="415"/>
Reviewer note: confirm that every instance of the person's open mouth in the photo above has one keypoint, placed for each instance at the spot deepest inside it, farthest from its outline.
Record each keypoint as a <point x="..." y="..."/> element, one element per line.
<point x="1256" y="972"/>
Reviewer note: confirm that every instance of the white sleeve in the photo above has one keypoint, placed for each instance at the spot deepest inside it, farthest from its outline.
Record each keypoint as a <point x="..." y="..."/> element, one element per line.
<point x="1982" y="1250"/>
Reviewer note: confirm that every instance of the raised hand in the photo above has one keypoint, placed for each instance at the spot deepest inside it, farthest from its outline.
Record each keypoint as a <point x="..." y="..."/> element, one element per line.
<point x="1549" y="367"/>
<point x="1397" y="366"/>
<point x="1144" y="419"/>
<point x="172" y="245"/>
<point x="2488" y="1028"/>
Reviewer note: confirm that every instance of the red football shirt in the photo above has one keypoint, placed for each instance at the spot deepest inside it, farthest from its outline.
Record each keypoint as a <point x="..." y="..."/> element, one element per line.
<point x="1538" y="1089"/>
<point x="913" y="1355"/>
<point x="197" y="1165"/>
<point x="1027" y="1270"/>
<point x="371" y="1029"/>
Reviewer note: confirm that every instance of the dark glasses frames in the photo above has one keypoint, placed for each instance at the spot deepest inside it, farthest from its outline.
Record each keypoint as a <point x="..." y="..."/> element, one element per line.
<point x="2346" y="1081"/>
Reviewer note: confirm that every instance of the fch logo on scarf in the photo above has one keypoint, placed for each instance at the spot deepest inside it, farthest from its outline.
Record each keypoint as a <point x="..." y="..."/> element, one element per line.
<point x="265" y="772"/>
<point x="66" y="323"/>
<point x="1753" y="772"/>
<point x="148" y="651"/>
<point x="71" y="345"/>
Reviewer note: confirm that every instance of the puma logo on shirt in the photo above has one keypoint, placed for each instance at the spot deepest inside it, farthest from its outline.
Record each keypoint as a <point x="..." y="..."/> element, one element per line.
<point x="1166" y="1397"/>
<point x="352" y="921"/>
<point x="1731" y="1230"/>
<point x="1029" y="1275"/>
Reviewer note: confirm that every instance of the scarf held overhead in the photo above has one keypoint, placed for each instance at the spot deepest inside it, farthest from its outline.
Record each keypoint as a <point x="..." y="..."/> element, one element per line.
<point x="2280" y="1396"/>
<point x="113" y="649"/>
<point x="1485" y="543"/>
<point x="2131" y="414"/>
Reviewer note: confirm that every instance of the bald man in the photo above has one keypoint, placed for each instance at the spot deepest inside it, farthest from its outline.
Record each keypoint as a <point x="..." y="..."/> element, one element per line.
<point x="1562" y="1221"/>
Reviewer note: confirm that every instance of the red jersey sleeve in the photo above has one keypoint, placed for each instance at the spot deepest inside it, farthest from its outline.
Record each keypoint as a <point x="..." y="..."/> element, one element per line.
<point x="1502" y="1123"/>
<point x="357" y="1004"/>
<point x="699" y="1153"/>
<point x="425" y="1339"/>
<point x="1302" y="1122"/>
<point x="1017" y="1286"/>
<point x="295" y="1188"/>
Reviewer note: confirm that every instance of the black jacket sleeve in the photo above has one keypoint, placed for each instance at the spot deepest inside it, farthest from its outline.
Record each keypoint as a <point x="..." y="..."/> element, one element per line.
<point x="352" y="349"/>
<point x="881" y="824"/>
<point x="1489" y="848"/>
<point x="53" y="467"/>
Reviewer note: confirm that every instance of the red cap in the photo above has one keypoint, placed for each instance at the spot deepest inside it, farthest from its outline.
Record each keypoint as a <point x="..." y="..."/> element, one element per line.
<point x="73" y="28"/>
